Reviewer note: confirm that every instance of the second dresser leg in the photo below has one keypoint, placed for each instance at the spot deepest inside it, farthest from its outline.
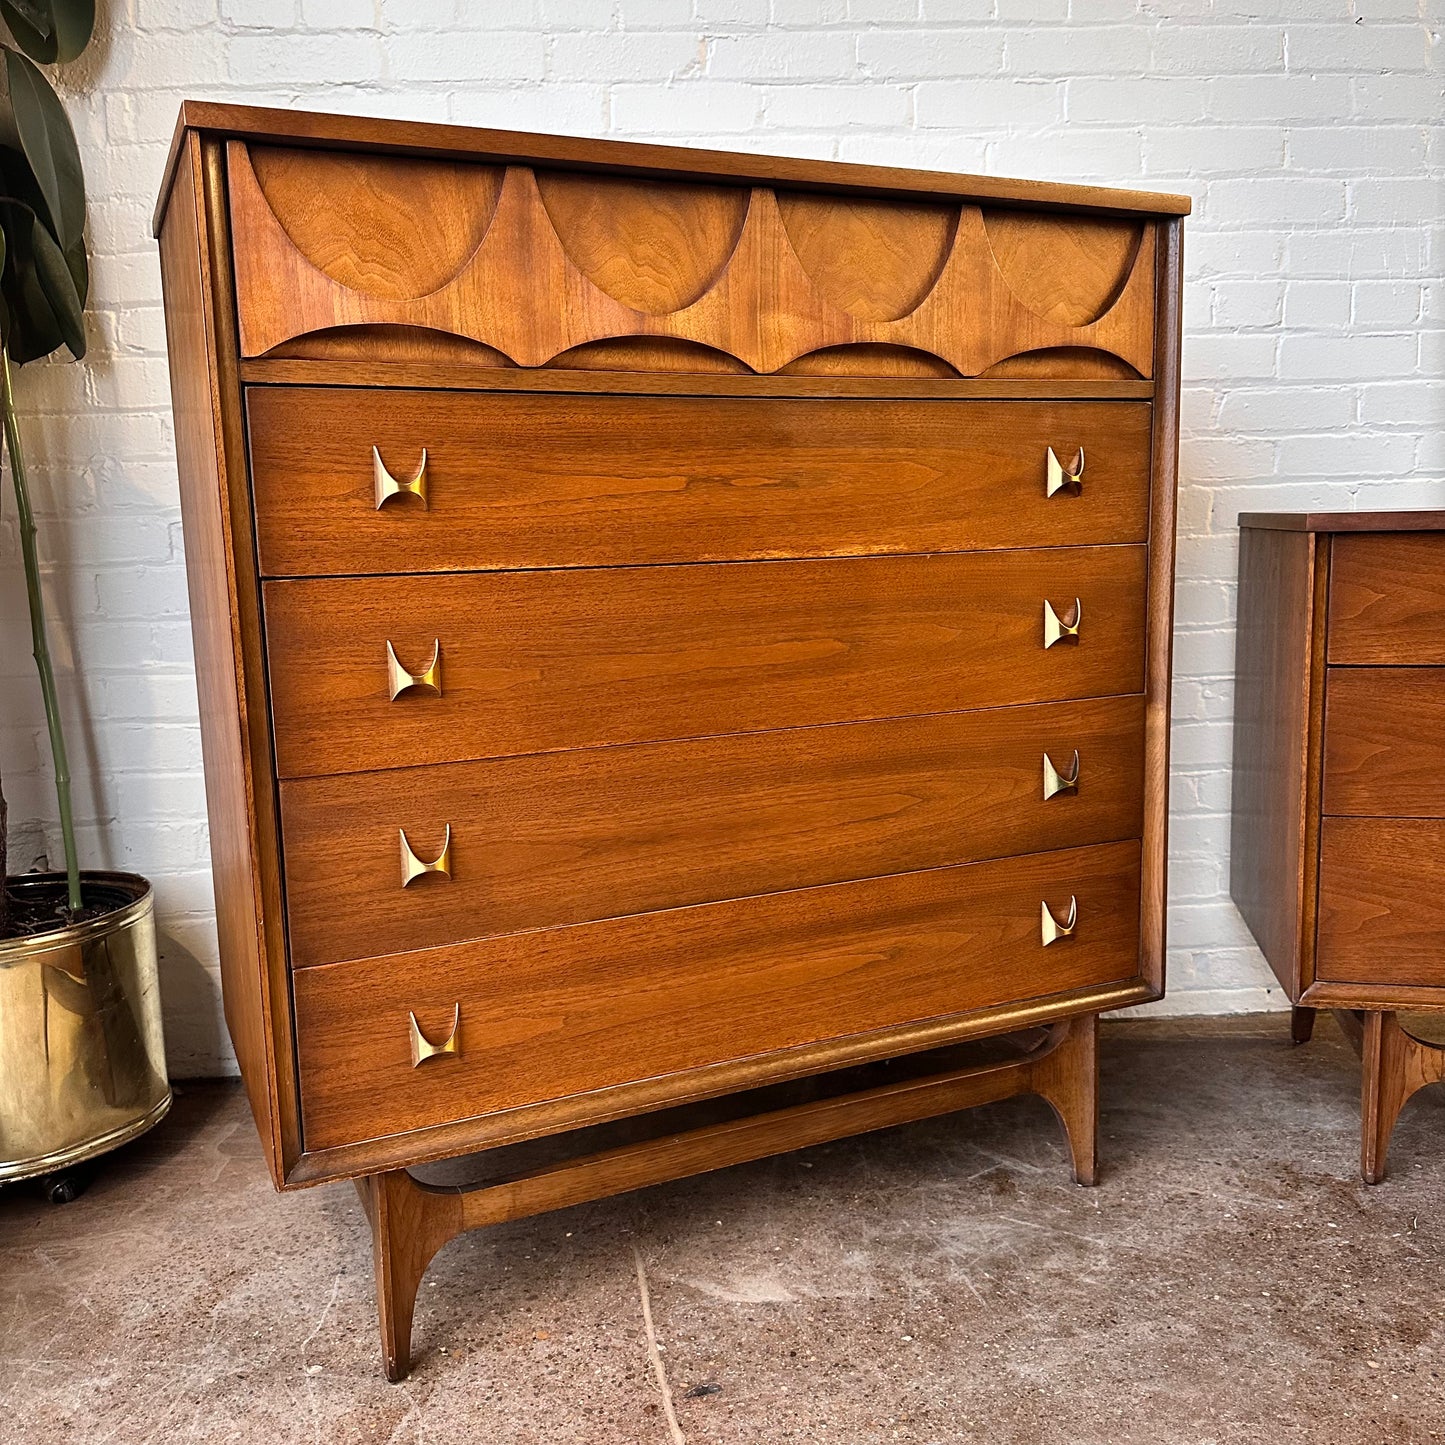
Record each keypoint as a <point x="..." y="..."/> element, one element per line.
<point x="1394" y="1064"/>
<point x="1382" y="1090"/>
<point x="1068" y="1077"/>
<point x="1301" y="1024"/>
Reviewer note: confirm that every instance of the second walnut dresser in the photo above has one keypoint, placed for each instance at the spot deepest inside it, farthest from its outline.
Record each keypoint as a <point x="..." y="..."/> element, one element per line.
<point x="668" y="624"/>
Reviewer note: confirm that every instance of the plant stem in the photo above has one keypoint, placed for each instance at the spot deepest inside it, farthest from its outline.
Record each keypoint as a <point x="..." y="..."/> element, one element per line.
<point x="39" y="642"/>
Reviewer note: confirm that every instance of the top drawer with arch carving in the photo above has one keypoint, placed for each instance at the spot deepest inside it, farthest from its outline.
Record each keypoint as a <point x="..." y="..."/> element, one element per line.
<point x="350" y="256"/>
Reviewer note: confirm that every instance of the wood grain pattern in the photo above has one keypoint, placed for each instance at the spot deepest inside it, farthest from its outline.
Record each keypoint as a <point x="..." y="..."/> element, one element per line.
<point x="1384" y="750"/>
<point x="537" y="481"/>
<point x="563" y="838"/>
<point x="1272" y="711"/>
<point x="1066" y="269"/>
<point x="1159" y="607"/>
<point x="1382" y="893"/>
<point x="315" y="129"/>
<point x="223" y="602"/>
<point x="533" y="292"/>
<point x="277" y="370"/>
<point x="876" y="259"/>
<point x="413" y="226"/>
<point x="655" y="246"/>
<point x="537" y="661"/>
<point x="411" y="1221"/>
<point x="568" y="1010"/>
<point x="1387" y="599"/>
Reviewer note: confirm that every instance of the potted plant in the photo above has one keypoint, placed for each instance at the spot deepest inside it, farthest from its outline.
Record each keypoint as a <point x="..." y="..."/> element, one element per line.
<point x="81" y="1059"/>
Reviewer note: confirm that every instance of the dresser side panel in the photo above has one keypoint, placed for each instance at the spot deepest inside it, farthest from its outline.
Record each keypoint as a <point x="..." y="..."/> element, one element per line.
<point x="198" y="407"/>
<point x="1272" y="711"/>
<point x="1159" y="617"/>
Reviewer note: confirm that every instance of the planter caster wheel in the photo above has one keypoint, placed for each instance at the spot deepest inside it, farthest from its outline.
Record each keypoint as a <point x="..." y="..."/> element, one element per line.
<point x="66" y="1185"/>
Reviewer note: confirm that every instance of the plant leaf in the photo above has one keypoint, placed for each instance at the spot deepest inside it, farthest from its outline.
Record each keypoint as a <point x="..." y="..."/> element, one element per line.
<point x="38" y="288"/>
<point x="74" y="25"/>
<point x="49" y="145"/>
<point x="33" y="28"/>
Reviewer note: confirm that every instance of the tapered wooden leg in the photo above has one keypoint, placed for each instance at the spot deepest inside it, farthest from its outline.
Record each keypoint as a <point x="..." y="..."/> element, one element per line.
<point x="1069" y="1079"/>
<point x="1394" y="1064"/>
<point x="408" y="1226"/>
<point x="1301" y="1024"/>
<point x="411" y="1221"/>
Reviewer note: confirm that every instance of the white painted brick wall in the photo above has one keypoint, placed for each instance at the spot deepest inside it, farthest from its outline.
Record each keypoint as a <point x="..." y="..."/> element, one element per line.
<point x="1307" y="131"/>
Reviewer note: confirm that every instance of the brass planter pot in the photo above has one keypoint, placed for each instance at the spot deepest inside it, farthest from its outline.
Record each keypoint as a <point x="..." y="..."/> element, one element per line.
<point x="82" y="1060"/>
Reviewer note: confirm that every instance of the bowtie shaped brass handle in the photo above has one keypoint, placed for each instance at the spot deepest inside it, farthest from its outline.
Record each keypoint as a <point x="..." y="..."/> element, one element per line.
<point x="1056" y="629"/>
<point x="1056" y="782"/>
<point x="1062" y="478"/>
<point x="413" y="867"/>
<point x="388" y="486"/>
<point x="399" y="680"/>
<point x="423" y="1049"/>
<point x="1050" y="929"/>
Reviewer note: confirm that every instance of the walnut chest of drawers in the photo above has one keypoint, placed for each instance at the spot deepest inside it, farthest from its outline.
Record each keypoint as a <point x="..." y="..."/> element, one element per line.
<point x="668" y="624"/>
<point x="1338" y="856"/>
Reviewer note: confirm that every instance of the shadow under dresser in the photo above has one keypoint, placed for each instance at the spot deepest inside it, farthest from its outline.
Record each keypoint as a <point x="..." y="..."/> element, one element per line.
<point x="683" y="644"/>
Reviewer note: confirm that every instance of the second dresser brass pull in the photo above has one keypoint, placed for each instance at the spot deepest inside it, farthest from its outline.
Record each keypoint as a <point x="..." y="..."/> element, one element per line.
<point x="1062" y="478"/>
<point x="1056" y="629"/>
<point x="413" y="867"/>
<point x="1050" y="929"/>
<point x="398" y="679"/>
<point x="423" y="1049"/>
<point x="388" y="486"/>
<point x="1057" y="782"/>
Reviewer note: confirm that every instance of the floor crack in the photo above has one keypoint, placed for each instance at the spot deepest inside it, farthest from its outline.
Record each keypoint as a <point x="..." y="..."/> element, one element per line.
<point x="654" y="1354"/>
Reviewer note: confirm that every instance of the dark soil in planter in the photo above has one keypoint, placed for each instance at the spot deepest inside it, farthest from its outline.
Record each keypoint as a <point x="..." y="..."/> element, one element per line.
<point x="37" y="906"/>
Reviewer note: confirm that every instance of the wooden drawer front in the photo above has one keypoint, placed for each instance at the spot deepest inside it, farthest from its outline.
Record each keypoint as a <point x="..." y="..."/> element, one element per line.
<point x="560" y="838"/>
<point x="596" y="481"/>
<point x="1382" y="901"/>
<point x="1385" y="742"/>
<point x="559" y="1012"/>
<point x="537" y="661"/>
<point x="1387" y="599"/>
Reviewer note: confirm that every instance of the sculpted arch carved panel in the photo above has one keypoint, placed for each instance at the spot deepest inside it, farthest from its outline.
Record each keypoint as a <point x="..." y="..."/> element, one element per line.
<point x="530" y="268"/>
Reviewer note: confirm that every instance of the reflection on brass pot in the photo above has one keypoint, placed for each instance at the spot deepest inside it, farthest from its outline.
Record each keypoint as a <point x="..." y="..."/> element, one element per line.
<point x="82" y="1061"/>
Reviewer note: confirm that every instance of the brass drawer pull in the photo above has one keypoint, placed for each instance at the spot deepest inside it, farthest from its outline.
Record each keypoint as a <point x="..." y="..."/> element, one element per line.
<point x="1056" y="782"/>
<point x="1056" y="629"/>
<point x="1065" y="479"/>
<point x="423" y="1049"/>
<point x="387" y="486"/>
<point x="398" y="679"/>
<point x="413" y="867"/>
<point x="1050" y="929"/>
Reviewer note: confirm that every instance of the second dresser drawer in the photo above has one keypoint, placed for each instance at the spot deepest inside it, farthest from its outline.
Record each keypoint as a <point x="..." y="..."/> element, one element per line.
<point x="561" y="838"/>
<point x="539" y="661"/>
<point x="1385" y="742"/>
<point x="1382" y="901"/>
<point x="545" y="1015"/>
<point x="594" y="481"/>
<point x="1387" y="599"/>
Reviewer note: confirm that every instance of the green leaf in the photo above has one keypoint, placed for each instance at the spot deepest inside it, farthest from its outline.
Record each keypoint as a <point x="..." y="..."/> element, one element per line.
<point x="48" y="143"/>
<point x="45" y="306"/>
<point x="33" y="27"/>
<point x="74" y="25"/>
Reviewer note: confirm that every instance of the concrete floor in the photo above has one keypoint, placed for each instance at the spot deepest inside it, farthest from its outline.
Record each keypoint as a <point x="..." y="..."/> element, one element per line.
<point x="1231" y="1280"/>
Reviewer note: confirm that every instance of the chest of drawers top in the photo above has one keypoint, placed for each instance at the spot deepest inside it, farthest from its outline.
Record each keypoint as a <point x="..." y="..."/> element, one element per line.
<point x="665" y="621"/>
